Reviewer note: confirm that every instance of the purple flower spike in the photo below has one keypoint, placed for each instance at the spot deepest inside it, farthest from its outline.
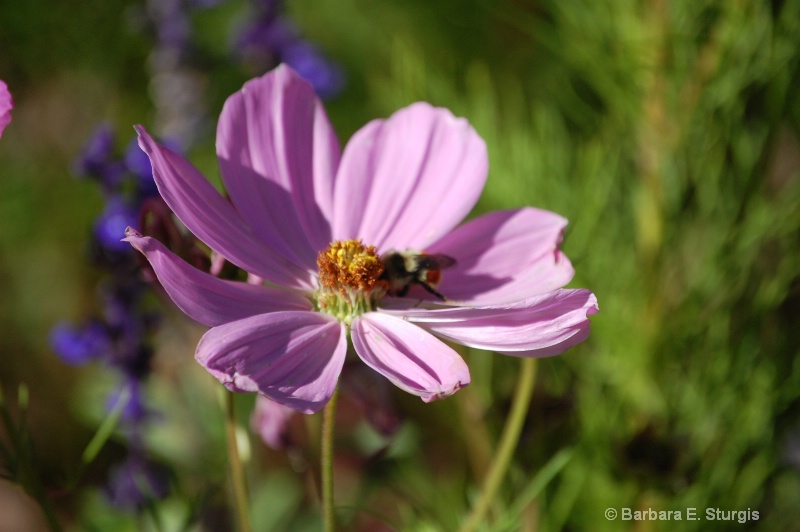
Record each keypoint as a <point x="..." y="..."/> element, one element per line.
<point x="265" y="36"/>
<point x="137" y="482"/>
<point x="326" y="77"/>
<point x="138" y="163"/>
<point x="77" y="346"/>
<point x="6" y="104"/>
<point x="270" y="38"/>
<point x="205" y="3"/>
<point x="337" y="237"/>
<point x="134" y="410"/>
<point x="97" y="158"/>
<point x="110" y="226"/>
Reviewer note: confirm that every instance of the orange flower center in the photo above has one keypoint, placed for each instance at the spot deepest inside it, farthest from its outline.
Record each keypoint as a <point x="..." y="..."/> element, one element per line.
<point x="349" y="265"/>
<point x="349" y="273"/>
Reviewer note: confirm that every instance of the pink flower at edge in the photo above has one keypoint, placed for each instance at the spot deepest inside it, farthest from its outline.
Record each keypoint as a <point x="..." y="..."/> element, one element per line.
<point x="402" y="183"/>
<point x="6" y="104"/>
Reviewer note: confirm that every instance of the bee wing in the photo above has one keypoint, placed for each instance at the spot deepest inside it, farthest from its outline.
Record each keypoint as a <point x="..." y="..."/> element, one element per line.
<point x="436" y="261"/>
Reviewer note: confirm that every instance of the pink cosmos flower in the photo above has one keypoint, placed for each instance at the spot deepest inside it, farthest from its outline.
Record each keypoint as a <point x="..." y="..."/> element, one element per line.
<point x="6" y="104"/>
<point x="313" y="222"/>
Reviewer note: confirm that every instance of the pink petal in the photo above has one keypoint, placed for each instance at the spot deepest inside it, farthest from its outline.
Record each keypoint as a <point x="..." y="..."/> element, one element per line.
<point x="406" y="181"/>
<point x="207" y="299"/>
<point x="505" y="256"/>
<point x="540" y="326"/>
<point x="293" y="358"/>
<point x="278" y="155"/>
<point x="217" y="264"/>
<point x="213" y="220"/>
<point x="271" y="421"/>
<point x="409" y="357"/>
<point x="6" y="104"/>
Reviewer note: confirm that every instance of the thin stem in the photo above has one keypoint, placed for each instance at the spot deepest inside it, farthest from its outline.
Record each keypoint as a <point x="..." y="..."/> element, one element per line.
<point x="508" y="443"/>
<point x="328" y="417"/>
<point x="237" y="468"/>
<point x="472" y="404"/>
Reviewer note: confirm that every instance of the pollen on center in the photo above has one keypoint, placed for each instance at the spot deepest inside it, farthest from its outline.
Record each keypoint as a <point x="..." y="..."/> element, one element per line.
<point x="348" y="265"/>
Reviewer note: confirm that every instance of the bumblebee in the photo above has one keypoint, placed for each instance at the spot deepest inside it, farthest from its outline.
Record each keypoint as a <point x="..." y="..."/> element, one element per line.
<point x="405" y="268"/>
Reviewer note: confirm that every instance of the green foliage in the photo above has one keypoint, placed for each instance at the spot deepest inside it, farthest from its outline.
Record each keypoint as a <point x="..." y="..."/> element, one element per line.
<point x="662" y="132"/>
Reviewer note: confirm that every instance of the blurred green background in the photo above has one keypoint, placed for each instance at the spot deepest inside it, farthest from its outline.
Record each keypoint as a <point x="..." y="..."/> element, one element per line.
<point x="668" y="133"/>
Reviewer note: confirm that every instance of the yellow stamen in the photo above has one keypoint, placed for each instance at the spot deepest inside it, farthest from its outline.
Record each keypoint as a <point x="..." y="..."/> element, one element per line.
<point x="349" y="264"/>
<point x="349" y="273"/>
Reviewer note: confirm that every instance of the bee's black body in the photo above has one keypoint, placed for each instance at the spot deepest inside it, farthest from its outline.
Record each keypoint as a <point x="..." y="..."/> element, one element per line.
<point x="405" y="268"/>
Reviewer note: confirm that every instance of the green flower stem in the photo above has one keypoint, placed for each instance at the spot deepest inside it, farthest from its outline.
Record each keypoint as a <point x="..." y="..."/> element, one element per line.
<point x="237" y="468"/>
<point x="476" y="433"/>
<point x="508" y="443"/>
<point x="328" y="417"/>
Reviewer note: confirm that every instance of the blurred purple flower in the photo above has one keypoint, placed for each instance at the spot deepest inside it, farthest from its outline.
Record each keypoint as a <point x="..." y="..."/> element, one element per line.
<point x="121" y="339"/>
<point x="172" y="22"/>
<point x="109" y="228"/>
<point x="269" y="8"/>
<point x="205" y="4"/>
<point x="137" y="161"/>
<point x="78" y="345"/>
<point x="97" y="159"/>
<point x="326" y="77"/>
<point x="6" y="104"/>
<point x="269" y="39"/>
<point x="266" y="34"/>
<point x="134" y="411"/>
<point x="299" y="209"/>
<point x="137" y="482"/>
